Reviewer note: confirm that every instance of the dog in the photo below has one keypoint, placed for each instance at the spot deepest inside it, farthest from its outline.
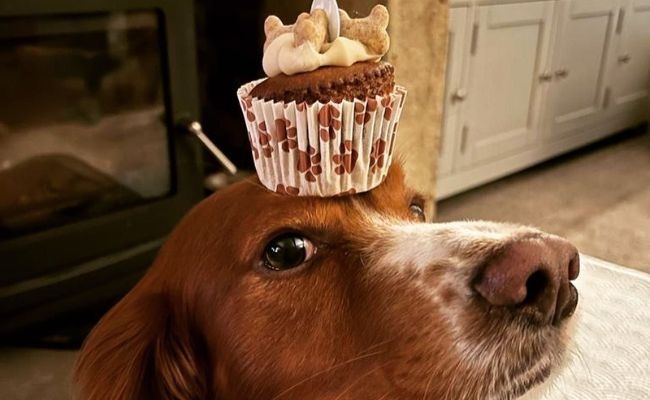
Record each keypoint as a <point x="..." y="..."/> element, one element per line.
<point x="257" y="295"/>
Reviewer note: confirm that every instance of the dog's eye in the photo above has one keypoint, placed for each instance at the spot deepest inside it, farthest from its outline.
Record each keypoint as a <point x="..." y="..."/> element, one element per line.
<point x="288" y="251"/>
<point x="417" y="211"/>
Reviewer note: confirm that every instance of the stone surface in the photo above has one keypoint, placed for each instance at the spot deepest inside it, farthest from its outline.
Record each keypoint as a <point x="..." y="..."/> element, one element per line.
<point x="418" y="30"/>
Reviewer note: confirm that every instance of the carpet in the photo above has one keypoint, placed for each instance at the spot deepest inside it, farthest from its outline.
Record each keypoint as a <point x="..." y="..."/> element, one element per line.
<point x="608" y="355"/>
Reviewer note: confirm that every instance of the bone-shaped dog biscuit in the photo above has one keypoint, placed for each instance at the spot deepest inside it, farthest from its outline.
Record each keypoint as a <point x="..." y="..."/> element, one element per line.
<point x="313" y="27"/>
<point x="371" y="30"/>
<point x="309" y="27"/>
<point x="273" y="27"/>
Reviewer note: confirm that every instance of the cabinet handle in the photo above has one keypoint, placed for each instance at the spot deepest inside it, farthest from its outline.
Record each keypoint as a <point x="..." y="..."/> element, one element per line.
<point x="460" y="95"/>
<point x="607" y="97"/>
<point x="546" y="76"/>
<point x="624" y="59"/>
<point x="463" y="139"/>
<point x="621" y="20"/>
<point x="562" y="73"/>
<point x="474" y="45"/>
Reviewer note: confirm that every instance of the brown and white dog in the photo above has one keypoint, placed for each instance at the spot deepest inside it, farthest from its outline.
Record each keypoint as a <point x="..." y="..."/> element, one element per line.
<point x="256" y="295"/>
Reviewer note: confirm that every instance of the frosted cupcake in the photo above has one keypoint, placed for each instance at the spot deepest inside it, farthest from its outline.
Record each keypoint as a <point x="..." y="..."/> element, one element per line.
<point x="323" y="122"/>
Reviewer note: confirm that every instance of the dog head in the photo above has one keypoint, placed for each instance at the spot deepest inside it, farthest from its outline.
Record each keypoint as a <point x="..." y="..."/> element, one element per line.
<point x="262" y="296"/>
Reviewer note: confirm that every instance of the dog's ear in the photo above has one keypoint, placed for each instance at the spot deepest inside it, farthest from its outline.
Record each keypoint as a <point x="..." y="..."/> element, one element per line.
<point x="141" y="350"/>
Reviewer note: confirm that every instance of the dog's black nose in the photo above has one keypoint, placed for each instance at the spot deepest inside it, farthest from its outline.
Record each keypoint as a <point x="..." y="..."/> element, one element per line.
<point x="532" y="275"/>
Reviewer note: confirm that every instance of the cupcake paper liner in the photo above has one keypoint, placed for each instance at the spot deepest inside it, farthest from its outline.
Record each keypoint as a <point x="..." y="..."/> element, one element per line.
<point x="322" y="149"/>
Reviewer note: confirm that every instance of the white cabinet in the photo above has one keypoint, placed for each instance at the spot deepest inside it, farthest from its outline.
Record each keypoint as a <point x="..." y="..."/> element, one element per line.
<point x="631" y="68"/>
<point x="583" y="44"/>
<point x="529" y="80"/>
<point x="508" y="50"/>
<point x="460" y="19"/>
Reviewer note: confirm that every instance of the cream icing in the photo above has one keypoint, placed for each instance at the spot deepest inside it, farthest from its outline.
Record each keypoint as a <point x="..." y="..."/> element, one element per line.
<point x="282" y="56"/>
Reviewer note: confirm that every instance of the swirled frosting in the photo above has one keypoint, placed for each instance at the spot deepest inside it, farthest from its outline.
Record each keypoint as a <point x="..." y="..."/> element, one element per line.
<point x="306" y="45"/>
<point x="282" y="56"/>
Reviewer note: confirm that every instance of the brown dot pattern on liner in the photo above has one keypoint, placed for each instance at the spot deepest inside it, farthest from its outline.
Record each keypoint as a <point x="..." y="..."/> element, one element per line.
<point x="378" y="155"/>
<point x="309" y="164"/>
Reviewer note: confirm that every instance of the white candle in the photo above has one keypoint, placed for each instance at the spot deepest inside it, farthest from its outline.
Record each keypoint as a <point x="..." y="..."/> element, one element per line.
<point x="332" y="10"/>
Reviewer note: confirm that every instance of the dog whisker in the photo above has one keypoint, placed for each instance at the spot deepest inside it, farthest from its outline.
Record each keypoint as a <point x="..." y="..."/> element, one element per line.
<point x="325" y="371"/>
<point x="426" y="389"/>
<point x="379" y="344"/>
<point x="359" y="379"/>
<point x="577" y="353"/>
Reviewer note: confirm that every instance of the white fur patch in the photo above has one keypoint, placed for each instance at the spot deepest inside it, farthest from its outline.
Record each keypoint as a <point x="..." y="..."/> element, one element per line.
<point x="403" y="245"/>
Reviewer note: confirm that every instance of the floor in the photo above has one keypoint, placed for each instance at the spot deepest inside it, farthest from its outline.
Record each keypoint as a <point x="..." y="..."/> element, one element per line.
<point x="35" y="373"/>
<point x="598" y="197"/>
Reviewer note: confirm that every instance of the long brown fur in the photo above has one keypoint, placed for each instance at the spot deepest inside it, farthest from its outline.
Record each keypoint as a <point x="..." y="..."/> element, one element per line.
<point x="384" y="310"/>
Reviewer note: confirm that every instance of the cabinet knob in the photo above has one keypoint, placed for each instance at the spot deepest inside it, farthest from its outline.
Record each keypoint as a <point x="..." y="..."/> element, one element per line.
<point x="546" y="76"/>
<point x="562" y="73"/>
<point x="624" y="59"/>
<point x="460" y="94"/>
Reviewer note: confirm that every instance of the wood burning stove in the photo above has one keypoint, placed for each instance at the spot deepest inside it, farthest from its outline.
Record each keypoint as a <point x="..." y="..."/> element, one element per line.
<point x="94" y="171"/>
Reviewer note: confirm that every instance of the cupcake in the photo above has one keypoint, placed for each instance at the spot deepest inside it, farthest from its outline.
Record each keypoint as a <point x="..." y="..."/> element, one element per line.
<point x="323" y="121"/>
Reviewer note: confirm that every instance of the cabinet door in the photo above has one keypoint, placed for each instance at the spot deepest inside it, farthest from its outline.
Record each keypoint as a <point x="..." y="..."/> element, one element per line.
<point x="455" y="90"/>
<point x="631" y="72"/>
<point x="583" y="42"/>
<point x="508" y="52"/>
